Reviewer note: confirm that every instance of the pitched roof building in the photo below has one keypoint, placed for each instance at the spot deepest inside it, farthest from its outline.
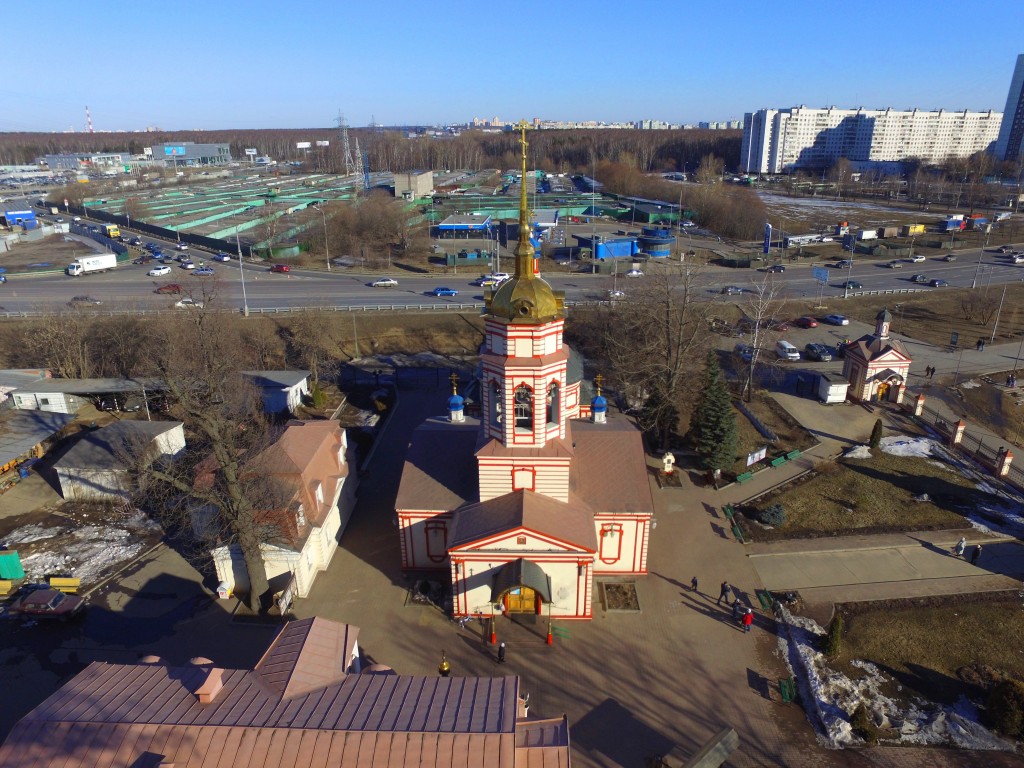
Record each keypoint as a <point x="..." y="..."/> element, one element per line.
<point x="525" y="506"/>
<point x="877" y="365"/>
<point x="305" y="704"/>
<point x="310" y="460"/>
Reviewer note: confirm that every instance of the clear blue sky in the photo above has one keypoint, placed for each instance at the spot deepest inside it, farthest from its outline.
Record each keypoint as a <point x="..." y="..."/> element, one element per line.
<point x="276" y="64"/>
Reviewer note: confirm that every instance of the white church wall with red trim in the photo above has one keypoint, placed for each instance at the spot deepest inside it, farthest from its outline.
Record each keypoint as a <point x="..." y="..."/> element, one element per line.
<point x="622" y="543"/>
<point x="423" y="536"/>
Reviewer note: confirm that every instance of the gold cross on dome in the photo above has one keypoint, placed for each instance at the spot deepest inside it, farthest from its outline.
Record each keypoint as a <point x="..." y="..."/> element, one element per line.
<point x="598" y="380"/>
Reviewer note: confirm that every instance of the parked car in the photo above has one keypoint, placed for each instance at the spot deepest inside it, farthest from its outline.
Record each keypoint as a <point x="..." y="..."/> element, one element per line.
<point x="1017" y="259"/>
<point x="805" y="322"/>
<point x="615" y="294"/>
<point x="281" y="268"/>
<point x="47" y="604"/>
<point x="221" y="257"/>
<point x="136" y="241"/>
<point x="919" y="278"/>
<point x="895" y="264"/>
<point x="187" y="264"/>
<point x="143" y="259"/>
<point x="938" y="284"/>
<point x="818" y="352"/>
<point x="836" y="319"/>
<point x="916" y="259"/>
<point x="384" y="282"/>
<point x="851" y="285"/>
<point x="83" y="300"/>
<point x="634" y="273"/>
<point x="442" y="291"/>
<point x="729" y="290"/>
<point x="181" y="246"/>
<point x="163" y="269"/>
<point x="786" y="351"/>
<point x="204" y="272"/>
<point x="188" y="304"/>
<point x="152" y="247"/>
<point x="776" y="268"/>
<point x="949" y="257"/>
<point x="173" y="288"/>
<point x="745" y="351"/>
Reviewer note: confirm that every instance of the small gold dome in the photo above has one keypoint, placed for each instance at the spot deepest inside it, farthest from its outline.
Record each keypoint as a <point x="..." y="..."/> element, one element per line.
<point x="526" y="300"/>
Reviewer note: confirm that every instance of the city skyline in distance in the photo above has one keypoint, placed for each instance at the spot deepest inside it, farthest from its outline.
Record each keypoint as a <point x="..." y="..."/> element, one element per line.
<point x="194" y="66"/>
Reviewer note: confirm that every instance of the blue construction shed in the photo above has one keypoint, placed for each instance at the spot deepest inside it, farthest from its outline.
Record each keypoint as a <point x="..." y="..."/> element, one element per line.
<point x="602" y="247"/>
<point x="465" y="225"/>
<point x="26" y="219"/>
<point x="656" y="242"/>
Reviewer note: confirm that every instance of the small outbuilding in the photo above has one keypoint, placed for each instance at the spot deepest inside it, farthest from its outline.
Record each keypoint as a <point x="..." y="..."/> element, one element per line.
<point x="95" y="468"/>
<point x="282" y="391"/>
<point x="877" y="365"/>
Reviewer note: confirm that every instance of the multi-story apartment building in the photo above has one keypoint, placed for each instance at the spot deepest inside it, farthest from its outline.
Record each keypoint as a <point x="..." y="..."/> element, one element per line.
<point x="782" y="140"/>
<point x="1010" y="144"/>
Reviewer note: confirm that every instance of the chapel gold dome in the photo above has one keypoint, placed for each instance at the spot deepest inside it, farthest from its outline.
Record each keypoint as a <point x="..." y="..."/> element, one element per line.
<point x="526" y="300"/>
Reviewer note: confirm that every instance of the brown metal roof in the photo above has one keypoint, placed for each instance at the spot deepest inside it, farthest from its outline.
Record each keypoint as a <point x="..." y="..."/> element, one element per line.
<point x="307" y="655"/>
<point x="871" y="346"/>
<point x="610" y="469"/>
<point x="142" y="715"/>
<point x="440" y="471"/>
<point x="571" y="523"/>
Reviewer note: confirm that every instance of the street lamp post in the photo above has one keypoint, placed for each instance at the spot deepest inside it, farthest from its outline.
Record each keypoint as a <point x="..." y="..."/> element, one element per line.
<point x="327" y="247"/>
<point x="849" y="277"/>
<point x="241" y="271"/>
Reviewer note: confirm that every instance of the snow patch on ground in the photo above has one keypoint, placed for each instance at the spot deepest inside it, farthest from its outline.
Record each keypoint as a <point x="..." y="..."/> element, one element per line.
<point x="857" y="452"/>
<point x="907" y="446"/>
<point x="970" y="384"/>
<point x="832" y="697"/>
<point x="85" y="552"/>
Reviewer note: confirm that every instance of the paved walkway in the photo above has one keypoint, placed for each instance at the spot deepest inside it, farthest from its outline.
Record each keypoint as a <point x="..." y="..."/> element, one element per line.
<point x="632" y="684"/>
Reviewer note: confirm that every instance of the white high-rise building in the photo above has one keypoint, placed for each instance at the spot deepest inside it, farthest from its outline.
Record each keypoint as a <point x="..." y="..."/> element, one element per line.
<point x="1010" y="144"/>
<point x="782" y="140"/>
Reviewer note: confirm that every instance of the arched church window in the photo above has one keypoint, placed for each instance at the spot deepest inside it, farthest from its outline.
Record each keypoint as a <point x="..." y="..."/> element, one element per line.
<point x="554" y="402"/>
<point x="523" y="400"/>
<point x="495" y="403"/>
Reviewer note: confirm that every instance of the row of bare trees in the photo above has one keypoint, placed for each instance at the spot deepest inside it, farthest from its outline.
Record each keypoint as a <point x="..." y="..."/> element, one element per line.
<point x="563" y="150"/>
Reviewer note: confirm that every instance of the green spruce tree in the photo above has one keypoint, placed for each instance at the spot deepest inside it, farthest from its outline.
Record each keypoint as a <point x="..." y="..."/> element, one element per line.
<point x="714" y="419"/>
<point x="876" y="434"/>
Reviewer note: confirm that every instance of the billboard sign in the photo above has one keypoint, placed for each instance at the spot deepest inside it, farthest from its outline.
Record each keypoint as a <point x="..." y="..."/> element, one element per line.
<point x="767" y="237"/>
<point x="756" y="456"/>
<point x="174" y="150"/>
<point x="820" y="274"/>
<point x="303" y="145"/>
<point x="323" y="143"/>
<point x="250" y="152"/>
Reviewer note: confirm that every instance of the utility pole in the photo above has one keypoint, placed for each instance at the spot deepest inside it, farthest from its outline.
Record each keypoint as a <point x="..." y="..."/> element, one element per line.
<point x="995" y="325"/>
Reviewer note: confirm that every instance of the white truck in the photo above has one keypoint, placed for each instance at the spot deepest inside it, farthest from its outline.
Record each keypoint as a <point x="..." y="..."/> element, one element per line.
<point x="99" y="263"/>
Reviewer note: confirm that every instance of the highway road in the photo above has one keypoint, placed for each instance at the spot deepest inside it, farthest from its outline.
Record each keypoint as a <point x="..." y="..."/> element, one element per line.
<point x="129" y="287"/>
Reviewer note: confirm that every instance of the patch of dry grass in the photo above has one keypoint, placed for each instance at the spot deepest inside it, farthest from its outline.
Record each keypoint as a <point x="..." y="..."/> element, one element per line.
<point x="791" y="435"/>
<point x="854" y="496"/>
<point x="927" y="644"/>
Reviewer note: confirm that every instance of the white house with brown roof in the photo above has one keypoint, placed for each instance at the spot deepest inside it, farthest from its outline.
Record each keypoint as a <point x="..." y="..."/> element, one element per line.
<point x="312" y="457"/>
<point x="525" y="506"/>
<point x="306" y="703"/>
<point x="877" y="365"/>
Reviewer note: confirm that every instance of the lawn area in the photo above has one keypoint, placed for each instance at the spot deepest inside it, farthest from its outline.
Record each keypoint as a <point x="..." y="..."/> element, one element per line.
<point x="937" y="647"/>
<point x="877" y="495"/>
<point x="791" y="435"/>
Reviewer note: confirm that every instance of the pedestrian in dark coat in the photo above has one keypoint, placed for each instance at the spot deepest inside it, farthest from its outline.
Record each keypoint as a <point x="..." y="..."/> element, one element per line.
<point x="736" y="611"/>
<point x="975" y="554"/>
<point x="748" y="620"/>
<point x="723" y="594"/>
<point x="501" y="653"/>
<point x="693" y="584"/>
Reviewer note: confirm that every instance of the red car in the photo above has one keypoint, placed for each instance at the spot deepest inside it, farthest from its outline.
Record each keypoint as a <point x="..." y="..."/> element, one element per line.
<point x="48" y="604"/>
<point x="281" y="268"/>
<point x="805" y="322"/>
<point x="169" y="288"/>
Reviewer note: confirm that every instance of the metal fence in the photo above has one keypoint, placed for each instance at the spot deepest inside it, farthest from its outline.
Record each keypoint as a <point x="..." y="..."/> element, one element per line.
<point x="975" y="445"/>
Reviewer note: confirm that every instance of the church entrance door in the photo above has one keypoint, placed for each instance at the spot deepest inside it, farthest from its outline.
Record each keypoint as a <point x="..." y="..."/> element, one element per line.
<point x="521" y="600"/>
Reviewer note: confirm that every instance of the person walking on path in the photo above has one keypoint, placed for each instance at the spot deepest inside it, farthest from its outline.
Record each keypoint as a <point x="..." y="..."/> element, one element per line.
<point x="693" y="584"/>
<point x="723" y="593"/>
<point x="960" y="547"/>
<point x="737" y="611"/>
<point x="975" y="554"/>
<point x="501" y="652"/>
<point x="748" y="620"/>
